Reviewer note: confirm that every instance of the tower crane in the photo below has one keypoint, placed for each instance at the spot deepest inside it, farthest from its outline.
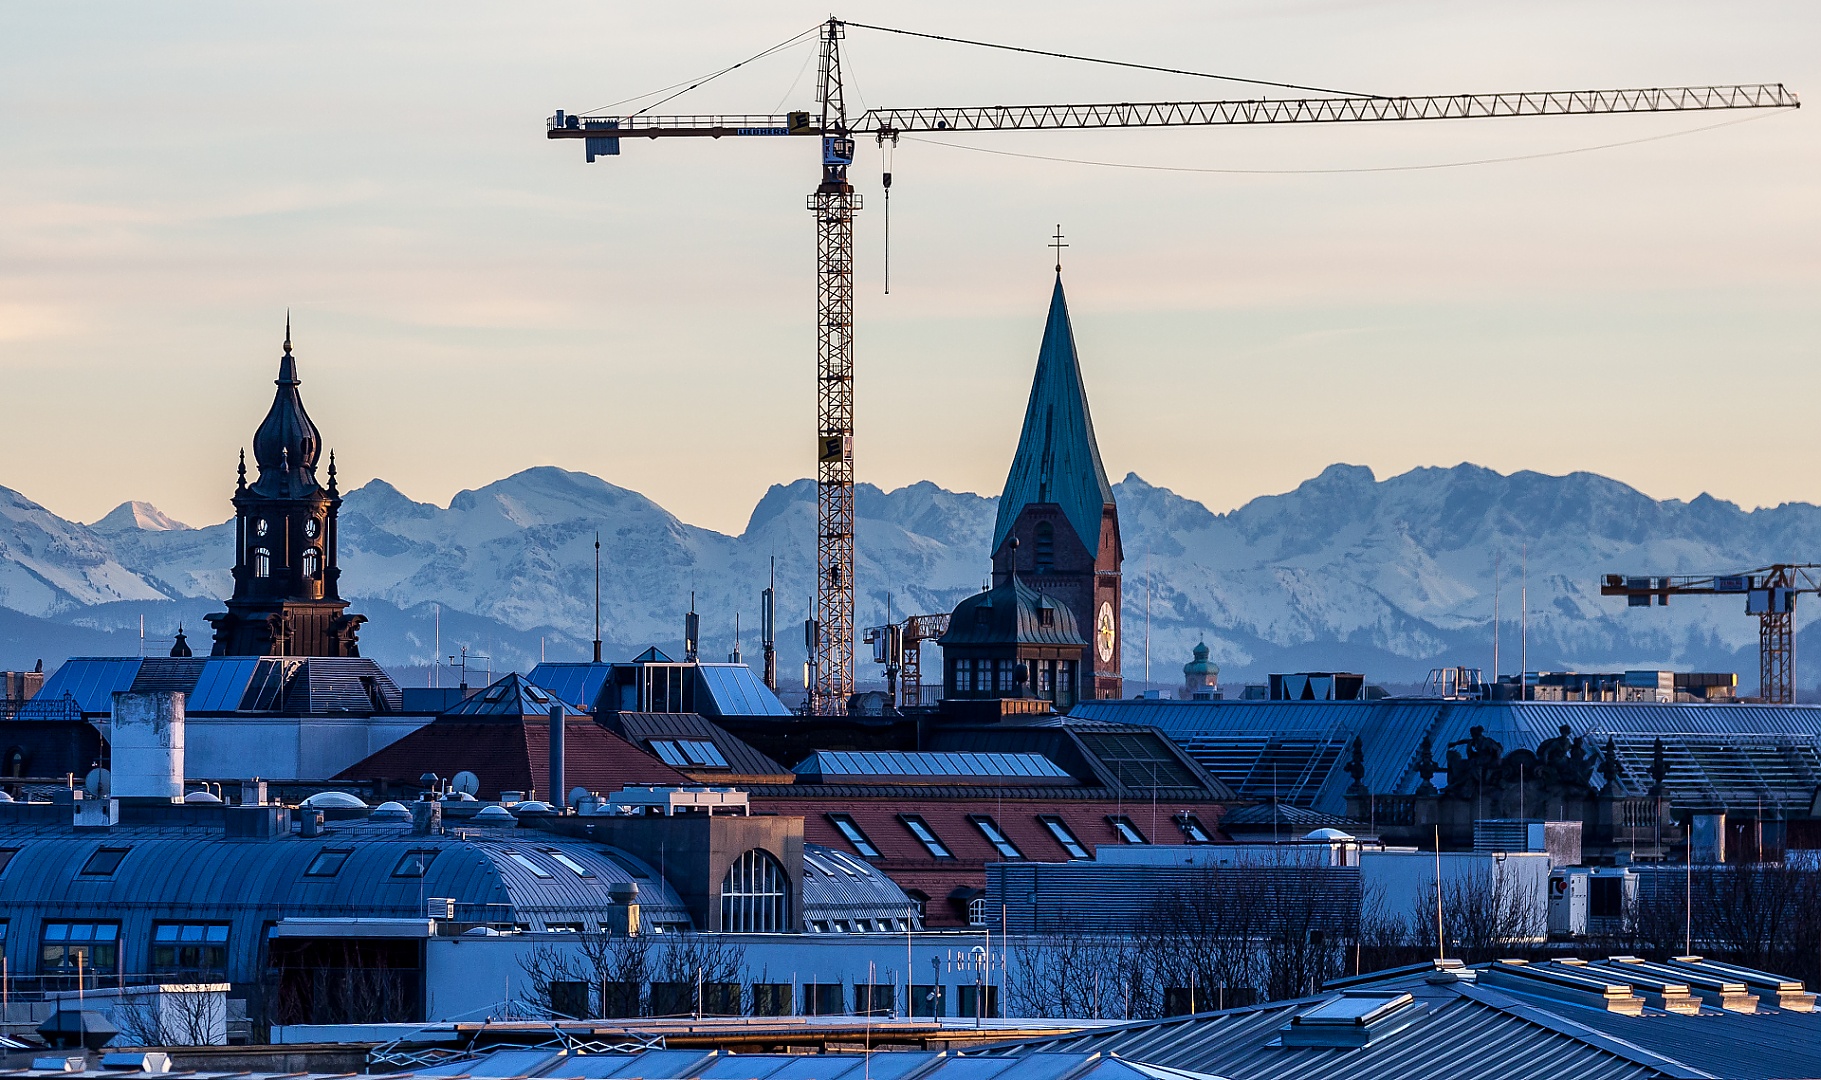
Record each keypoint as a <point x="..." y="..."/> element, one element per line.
<point x="834" y="202"/>
<point x="1770" y="593"/>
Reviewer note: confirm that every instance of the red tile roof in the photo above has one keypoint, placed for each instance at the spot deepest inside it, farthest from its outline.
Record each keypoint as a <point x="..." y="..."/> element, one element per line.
<point x="905" y="860"/>
<point x="515" y="756"/>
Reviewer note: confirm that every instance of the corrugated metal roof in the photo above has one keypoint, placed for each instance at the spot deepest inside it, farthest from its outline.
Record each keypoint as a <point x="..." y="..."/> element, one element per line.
<point x="868" y="765"/>
<point x="726" y="1065"/>
<point x="741" y="757"/>
<point x="734" y="690"/>
<point x="90" y="680"/>
<point x="838" y="886"/>
<point x="1296" y="750"/>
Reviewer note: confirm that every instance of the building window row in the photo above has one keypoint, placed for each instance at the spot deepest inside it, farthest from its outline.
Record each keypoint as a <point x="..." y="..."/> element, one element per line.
<point x="1124" y="830"/>
<point x="621" y="999"/>
<point x="93" y="948"/>
<point x="1051" y="680"/>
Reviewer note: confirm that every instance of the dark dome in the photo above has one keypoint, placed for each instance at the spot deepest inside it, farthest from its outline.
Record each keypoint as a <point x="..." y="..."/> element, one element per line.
<point x="1012" y="613"/>
<point x="287" y="445"/>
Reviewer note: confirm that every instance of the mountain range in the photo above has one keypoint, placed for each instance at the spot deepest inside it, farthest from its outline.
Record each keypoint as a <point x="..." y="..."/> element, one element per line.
<point x="1390" y="577"/>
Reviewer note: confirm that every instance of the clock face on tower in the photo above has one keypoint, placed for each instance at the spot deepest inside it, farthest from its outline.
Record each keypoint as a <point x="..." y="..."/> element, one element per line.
<point x="1105" y="633"/>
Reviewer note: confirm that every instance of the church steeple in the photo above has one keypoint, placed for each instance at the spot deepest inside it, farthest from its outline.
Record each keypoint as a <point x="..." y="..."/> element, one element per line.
<point x="286" y="599"/>
<point x="1057" y="460"/>
<point x="1057" y="520"/>
<point x="287" y="444"/>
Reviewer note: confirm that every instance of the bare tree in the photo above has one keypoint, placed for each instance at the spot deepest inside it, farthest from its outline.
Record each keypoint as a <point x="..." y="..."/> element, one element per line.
<point x="1486" y="914"/>
<point x="614" y="968"/>
<point x="1075" y="974"/>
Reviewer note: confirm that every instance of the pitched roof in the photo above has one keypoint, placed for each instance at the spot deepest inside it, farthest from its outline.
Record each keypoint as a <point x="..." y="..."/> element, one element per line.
<point x="511" y="754"/>
<point x="1057" y="459"/>
<point x="511" y="697"/>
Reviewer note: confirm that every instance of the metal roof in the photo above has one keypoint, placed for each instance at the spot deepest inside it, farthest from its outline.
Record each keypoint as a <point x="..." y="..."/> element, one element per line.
<point x="578" y="684"/>
<point x="863" y="765"/>
<point x="1296" y="750"/>
<point x="306" y="685"/>
<point x="1057" y="460"/>
<point x="512" y="697"/>
<point x="838" y="886"/>
<point x="90" y="680"/>
<point x="199" y="874"/>
<point x="741" y="757"/>
<point x="1523" y="1021"/>
<point x="734" y="690"/>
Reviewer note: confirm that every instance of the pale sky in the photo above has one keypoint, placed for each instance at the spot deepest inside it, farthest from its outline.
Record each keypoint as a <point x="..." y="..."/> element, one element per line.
<point x="470" y="299"/>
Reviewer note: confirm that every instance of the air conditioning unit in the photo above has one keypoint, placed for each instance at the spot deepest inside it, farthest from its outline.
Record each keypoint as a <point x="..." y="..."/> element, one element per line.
<point x="440" y="907"/>
<point x="1568" y="892"/>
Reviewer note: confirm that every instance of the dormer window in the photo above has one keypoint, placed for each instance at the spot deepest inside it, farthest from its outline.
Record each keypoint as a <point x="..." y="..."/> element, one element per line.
<point x="1046" y="616"/>
<point x="983" y="615"/>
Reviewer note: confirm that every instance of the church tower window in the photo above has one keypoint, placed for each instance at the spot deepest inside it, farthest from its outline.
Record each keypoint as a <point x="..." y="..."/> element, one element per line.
<point x="312" y="562"/>
<point x="262" y="562"/>
<point x="1046" y="545"/>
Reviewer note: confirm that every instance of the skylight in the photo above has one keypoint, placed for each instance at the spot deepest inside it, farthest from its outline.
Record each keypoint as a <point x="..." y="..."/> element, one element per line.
<point x="996" y="836"/>
<point x="689" y="753"/>
<point x="925" y="836"/>
<point x="327" y="863"/>
<point x="1128" y="832"/>
<point x="854" y="835"/>
<point x="1065" y="838"/>
<point x="529" y="865"/>
<point x="104" y="861"/>
<point x="568" y="863"/>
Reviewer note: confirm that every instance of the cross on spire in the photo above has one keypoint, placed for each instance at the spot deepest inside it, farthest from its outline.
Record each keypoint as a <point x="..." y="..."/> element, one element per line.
<point x="287" y="331"/>
<point x="1058" y="245"/>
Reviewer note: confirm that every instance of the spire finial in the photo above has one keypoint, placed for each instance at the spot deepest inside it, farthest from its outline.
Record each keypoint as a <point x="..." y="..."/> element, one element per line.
<point x="243" y="469"/>
<point x="332" y="488"/>
<point x="1058" y="245"/>
<point x="288" y="329"/>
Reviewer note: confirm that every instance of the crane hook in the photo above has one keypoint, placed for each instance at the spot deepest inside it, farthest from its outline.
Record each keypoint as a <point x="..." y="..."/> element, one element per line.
<point x="885" y="156"/>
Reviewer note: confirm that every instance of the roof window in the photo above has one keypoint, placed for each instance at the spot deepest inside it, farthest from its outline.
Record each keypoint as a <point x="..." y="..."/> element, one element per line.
<point x="327" y="863"/>
<point x="535" y="869"/>
<point x="568" y="863"/>
<point x="415" y="863"/>
<point x="6" y="856"/>
<point x="689" y="753"/>
<point x="1192" y="830"/>
<point x="996" y="836"/>
<point x="1353" y="1018"/>
<point x="105" y="861"/>
<point x="925" y="836"/>
<point x="1064" y="837"/>
<point x="1128" y="832"/>
<point x="851" y="830"/>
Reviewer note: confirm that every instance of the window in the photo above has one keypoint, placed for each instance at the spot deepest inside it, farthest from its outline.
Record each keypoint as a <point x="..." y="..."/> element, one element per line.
<point x="327" y="863"/>
<point x="69" y="947"/>
<point x="964" y="676"/>
<point x="1002" y="676"/>
<point x="565" y="928"/>
<point x="773" y="999"/>
<point x="1192" y="830"/>
<point x="312" y="562"/>
<point x="926" y="999"/>
<point x="977" y="1001"/>
<point x="1046" y="615"/>
<point x="857" y="838"/>
<point x="568" y="863"/>
<point x="753" y="895"/>
<point x="921" y="830"/>
<point x="105" y="861"/>
<point x="1046" y="679"/>
<point x="6" y="856"/>
<point x="262" y="562"/>
<point x="689" y="753"/>
<point x="536" y="870"/>
<point x="996" y="836"/>
<point x="414" y="863"/>
<point x="190" y="948"/>
<point x="1128" y="832"/>
<point x="1046" y="545"/>
<point x="976" y="911"/>
<point x="1065" y="837"/>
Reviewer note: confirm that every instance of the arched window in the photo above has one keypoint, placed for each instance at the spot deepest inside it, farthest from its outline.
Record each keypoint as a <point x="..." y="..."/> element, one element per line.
<point x="976" y="911"/>
<point x="1046" y="545"/>
<point x="754" y="895"/>
<point x="312" y="562"/>
<point x="262" y="562"/>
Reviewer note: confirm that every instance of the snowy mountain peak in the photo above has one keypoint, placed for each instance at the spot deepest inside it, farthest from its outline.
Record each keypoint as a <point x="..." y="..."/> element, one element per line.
<point x="137" y="515"/>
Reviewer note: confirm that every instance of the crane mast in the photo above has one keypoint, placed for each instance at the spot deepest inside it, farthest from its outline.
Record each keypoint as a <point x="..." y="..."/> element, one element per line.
<point x="834" y="204"/>
<point x="1770" y="593"/>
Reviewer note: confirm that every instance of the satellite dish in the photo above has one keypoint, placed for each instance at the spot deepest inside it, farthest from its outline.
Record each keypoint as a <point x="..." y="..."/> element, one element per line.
<point x="98" y="783"/>
<point x="467" y="783"/>
<point x="577" y="794"/>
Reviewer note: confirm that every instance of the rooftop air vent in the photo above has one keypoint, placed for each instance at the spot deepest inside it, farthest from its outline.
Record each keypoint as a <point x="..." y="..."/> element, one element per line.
<point x="1354" y="1018"/>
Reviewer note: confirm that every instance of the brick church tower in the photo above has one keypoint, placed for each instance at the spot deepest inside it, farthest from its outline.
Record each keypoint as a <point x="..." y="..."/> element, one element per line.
<point x="1059" y="506"/>
<point x="286" y="601"/>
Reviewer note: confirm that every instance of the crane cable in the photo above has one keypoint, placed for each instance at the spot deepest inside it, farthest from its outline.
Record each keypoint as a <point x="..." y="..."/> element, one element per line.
<point x="1110" y="63"/>
<point x="705" y="79"/>
<point x="1320" y="172"/>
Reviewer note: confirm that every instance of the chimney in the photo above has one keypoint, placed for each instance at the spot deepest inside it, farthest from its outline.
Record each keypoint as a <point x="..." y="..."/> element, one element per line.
<point x="146" y="741"/>
<point x="310" y="825"/>
<point x="253" y="792"/>
<point x="623" y="909"/>
<point x="557" y="797"/>
<point x="427" y="815"/>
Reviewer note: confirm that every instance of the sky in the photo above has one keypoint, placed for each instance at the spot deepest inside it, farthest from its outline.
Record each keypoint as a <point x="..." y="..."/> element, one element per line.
<point x="1635" y="296"/>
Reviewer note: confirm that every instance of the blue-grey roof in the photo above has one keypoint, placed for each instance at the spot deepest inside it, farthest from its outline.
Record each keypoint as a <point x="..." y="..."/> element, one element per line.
<point x="1013" y="615"/>
<point x="511" y="697"/>
<point x="1296" y="750"/>
<point x="309" y="685"/>
<point x="735" y="690"/>
<point x="728" y="1065"/>
<point x="1057" y="460"/>
<point x="202" y="875"/>
<point x="578" y="684"/>
<point x="838" y="766"/>
<point x="838" y="886"/>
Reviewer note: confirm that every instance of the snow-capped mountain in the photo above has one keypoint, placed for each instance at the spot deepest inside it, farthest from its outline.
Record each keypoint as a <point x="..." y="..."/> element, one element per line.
<point x="1391" y="577"/>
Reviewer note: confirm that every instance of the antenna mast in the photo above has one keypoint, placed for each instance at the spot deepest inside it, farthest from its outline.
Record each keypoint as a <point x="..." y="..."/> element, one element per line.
<point x="597" y="597"/>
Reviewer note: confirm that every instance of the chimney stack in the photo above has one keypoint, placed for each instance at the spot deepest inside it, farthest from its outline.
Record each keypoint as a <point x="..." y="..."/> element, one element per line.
<point x="146" y="741"/>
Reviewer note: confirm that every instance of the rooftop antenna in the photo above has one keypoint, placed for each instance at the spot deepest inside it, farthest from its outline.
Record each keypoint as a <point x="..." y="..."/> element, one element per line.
<point x="1441" y="944"/>
<point x="692" y="630"/>
<point x="436" y="669"/>
<point x="768" y="627"/>
<point x="736" y="638"/>
<point x="1495" y="618"/>
<point x="597" y="596"/>
<point x="1524" y="628"/>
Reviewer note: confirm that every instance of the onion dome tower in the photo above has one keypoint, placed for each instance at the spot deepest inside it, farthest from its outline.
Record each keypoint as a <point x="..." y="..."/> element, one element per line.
<point x="1057" y="520"/>
<point x="286" y="601"/>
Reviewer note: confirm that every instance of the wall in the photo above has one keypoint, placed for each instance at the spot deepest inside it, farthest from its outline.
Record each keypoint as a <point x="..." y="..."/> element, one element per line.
<point x="1403" y="882"/>
<point x="287" y="747"/>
